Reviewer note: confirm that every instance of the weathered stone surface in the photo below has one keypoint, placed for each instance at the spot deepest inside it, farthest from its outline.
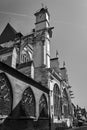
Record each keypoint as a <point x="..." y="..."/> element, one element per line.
<point x="42" y="76"/>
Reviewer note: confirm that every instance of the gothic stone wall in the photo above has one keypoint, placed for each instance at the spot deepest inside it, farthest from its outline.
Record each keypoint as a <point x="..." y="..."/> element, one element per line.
<point x="18" y="88"/>
<point x="14" y="122"/>
<point x="42" y="76"/>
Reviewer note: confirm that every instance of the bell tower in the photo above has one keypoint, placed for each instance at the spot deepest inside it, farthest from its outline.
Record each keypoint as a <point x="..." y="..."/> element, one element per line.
<point x="43" y="33"/>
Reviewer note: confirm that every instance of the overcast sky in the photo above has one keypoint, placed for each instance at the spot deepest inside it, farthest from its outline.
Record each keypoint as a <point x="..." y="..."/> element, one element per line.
<point x="69" y="18"/>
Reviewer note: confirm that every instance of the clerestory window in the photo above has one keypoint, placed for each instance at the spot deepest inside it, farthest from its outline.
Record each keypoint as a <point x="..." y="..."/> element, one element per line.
<point x="56" y="99"/>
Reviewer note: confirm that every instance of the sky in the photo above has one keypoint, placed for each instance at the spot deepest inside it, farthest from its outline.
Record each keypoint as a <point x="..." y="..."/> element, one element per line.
<point x="69" y="19"/>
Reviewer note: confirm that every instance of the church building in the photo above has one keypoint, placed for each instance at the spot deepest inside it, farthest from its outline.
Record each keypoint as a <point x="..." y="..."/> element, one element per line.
<point x="34" y="90"/>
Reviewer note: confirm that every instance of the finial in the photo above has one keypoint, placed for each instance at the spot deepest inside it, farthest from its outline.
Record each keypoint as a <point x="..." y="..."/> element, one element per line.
<point x="64" y="64"/>
<point x="9" y="20"/>
<point x="46" y="7"/>
<point x="42" y="5"/>
<point x="57" y="54"/>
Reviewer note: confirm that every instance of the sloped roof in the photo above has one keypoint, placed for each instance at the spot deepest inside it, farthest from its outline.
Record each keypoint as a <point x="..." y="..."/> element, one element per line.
<point x="8" y="34"/>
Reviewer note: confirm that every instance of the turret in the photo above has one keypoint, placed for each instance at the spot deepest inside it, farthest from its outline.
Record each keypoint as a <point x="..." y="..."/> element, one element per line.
<point x="43" y="33"/>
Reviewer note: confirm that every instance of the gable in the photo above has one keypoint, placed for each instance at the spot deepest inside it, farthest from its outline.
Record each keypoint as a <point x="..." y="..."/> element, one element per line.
<point x="8" y="34"/>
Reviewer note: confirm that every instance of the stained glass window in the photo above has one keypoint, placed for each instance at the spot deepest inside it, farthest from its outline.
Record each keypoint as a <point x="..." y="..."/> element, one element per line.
<point x="28" y="102"/>
<point x="43" y="107"/>
<point x="5" y="95"/>
<point x="66" y="103"/>
<point x="66" y="111"/>
<point x="56" y="97"/>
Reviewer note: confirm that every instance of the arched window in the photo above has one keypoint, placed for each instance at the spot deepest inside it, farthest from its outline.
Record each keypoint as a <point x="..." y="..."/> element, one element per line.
<point x="66" y="103"/>
<point x="25" y="56"/>
<point x="56" y="98"/>
<point x="43" y="107"/>
<point x="65" y="94"/>
<point x="6" y="95"/>
<point x="28" y="102"/>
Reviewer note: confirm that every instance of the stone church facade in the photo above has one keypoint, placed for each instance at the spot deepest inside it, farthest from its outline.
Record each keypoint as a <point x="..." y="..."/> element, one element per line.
<point x="34" y="90"/>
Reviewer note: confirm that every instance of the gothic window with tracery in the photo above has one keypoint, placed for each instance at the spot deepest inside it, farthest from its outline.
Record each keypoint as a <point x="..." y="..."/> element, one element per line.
<point x="43" y="107"/>
<point x="28" y="102"/>
<point x="6" y="95"/>
<point x="66" y="103"/>
<point x="56" y="93"/>
<point x="26" y="56"/>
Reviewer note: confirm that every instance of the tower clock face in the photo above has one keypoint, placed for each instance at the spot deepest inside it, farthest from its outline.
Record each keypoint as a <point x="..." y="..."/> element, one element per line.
<point x="5" y="95"/>
<point x="40" y="17"/>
